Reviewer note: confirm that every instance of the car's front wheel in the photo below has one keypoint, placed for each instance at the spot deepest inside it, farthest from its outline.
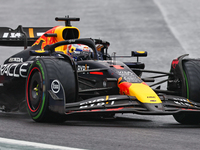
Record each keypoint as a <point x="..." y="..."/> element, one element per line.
<point x="191" y="71"/>
<point x="42" y="75"/>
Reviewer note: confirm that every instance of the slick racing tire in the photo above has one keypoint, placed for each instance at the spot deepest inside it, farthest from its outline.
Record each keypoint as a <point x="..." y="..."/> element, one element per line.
<point x="40" y="74"/>
<point x="191" y="70"/>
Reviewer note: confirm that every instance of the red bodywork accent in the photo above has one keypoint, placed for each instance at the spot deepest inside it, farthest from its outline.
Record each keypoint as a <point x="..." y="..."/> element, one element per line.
<point x="124" y="87"/>
<point x="189" y="109"/>
<point x="96" y="110"/>
<point x="113" y="109"/>
<point x="97" y="73"/>
<point x="174" y="63"/>
<point x="144" y="83"/>
<point x="118" y="67"/>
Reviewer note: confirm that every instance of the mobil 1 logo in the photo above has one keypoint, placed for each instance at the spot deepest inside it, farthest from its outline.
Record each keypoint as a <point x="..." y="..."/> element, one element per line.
<point x="55" y="86"/>
<point x="56" y="90"/>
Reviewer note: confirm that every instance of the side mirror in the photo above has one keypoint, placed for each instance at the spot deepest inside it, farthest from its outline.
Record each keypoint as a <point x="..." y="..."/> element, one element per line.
<point x="139" y="53"/>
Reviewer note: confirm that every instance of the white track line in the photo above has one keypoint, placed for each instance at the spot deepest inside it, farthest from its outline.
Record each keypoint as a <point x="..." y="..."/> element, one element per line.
<point x="34" y="144"/>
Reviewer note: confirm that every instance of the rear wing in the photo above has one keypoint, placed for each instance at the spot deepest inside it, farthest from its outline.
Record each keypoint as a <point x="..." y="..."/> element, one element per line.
<point x="27" y="36"/>
<point x="21" y="36"/>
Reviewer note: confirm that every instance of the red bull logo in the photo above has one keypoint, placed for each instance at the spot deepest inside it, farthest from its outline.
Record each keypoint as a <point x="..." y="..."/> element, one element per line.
<point x="46" y="40"/>
<point x="61" y="35"/>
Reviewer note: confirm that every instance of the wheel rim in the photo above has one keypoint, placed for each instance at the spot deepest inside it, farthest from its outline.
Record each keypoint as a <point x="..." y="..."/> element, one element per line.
<point x="34" y="90"/>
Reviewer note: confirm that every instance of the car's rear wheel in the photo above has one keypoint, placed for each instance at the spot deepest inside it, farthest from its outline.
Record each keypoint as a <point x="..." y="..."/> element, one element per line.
<point x="39" y="82"/>
<point x="191" y="71"/>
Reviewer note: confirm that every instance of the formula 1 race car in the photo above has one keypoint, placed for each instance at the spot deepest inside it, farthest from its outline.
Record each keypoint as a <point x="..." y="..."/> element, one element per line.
<point x="61" y="74"/>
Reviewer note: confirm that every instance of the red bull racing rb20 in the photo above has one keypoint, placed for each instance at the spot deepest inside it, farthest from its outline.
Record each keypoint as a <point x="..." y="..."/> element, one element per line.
<point x="61" y="74"/>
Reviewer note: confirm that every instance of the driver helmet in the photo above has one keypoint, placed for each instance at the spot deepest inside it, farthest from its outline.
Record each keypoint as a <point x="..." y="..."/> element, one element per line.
<point x="79" y="51"/>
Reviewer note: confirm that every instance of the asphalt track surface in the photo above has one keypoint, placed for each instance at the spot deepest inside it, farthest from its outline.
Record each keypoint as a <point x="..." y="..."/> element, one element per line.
<point x="164" y="28"/>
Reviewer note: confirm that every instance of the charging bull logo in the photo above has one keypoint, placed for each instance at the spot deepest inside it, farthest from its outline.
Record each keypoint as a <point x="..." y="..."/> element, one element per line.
<point x="124" y="87"/>
<point x="57" y="34"/>
<point x="43" y="41"/>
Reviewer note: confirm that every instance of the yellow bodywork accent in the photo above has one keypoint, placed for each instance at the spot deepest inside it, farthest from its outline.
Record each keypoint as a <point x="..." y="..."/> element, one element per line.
<point x="59" y="31"/>
<point x="61" y="49"/>
<point x="143" y="93"/>
<point x="141" y="52"/>
<point x="140" y="90"/>
<point x="107" y="98"/>
<point x="189" y="102"/>
<point x="31" y="34"/>
<point x="39" y="51"/>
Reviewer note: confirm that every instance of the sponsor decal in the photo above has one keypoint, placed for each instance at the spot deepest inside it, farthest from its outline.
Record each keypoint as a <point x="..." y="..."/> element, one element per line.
<point x="98" y="102"/>
<point x="151" y="97"/>
<point x="18" y="34"/>
<point x="14" y="70"/>
<point x="12" y="35"/>
<point x="153" y="100"/>
<point x="81" y="68"/>
<point x="56" y="92"/>
<point x="71" y="41"/>
<point x="55" y="86"/>
<point x="182" y="101"/>
<point x="15" y="59"/>
<point x="125" y="73"/>
<point x="40" y="33"/>
<point x="129" y="76"/>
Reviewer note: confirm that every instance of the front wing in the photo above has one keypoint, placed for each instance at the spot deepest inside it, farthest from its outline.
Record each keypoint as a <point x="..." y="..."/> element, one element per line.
<point x="129" y="104"/>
